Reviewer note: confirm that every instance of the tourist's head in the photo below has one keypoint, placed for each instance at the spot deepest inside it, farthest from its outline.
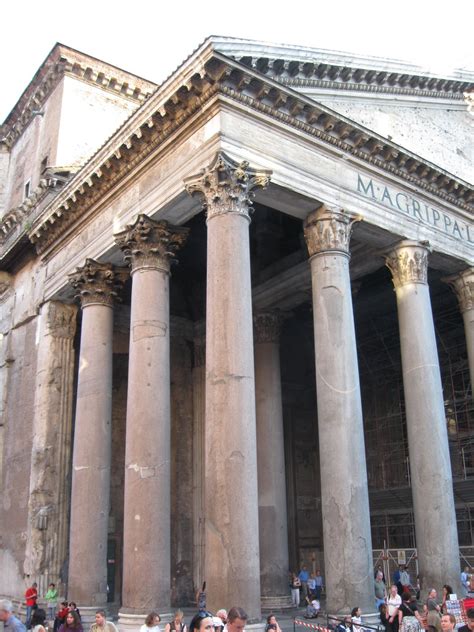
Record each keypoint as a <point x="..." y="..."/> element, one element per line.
<point x="100" y="618"/>
<point x="447" y="590"/>
<point x="470" y="618"/>
<point x="152" y="619"/>
<point x="236" y="619"/>
<point x="355" y="612"/>
<point x="38" y="617"/>
<point x="201" y="622"/>
<point x="393" y="589"/>
<point x="178" y="616"/>
<point x="72" y="619"/>
<point x="6" y="609"/>
<point x="432" y="593"/>
<point x="222" y="614"/>
<point x="52" y="585"/>
<point x="448" y="622"/>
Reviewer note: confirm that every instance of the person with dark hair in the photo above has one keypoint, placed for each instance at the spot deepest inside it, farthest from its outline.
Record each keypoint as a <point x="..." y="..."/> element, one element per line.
<point x="469" y="627"/>
<point x="408" y="616"/>
<point x="356" y="618"/>
<point x="236" y="619"/>
<point x="37" y="620"/>
<point x="31" y="596"/>
<point x="433" y="609"/>
<point x="447" y="591"/>
<point x="448" y="623"/>
<point x="101" y="624"/>
<point x="202" y="622"/>
<point x="73" y="606"/>
<point x="272" y="624"/>
<point x="384" y="618"/>
<point x="151" y="623"/>
<point x="61" y="615"/>
<point x="72" y="623"/>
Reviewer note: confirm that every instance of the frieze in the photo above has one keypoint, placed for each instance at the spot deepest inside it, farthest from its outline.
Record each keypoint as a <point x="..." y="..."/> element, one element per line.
<point x="150" y="244"/>
<point x="462" y="285"/>
<point x="408" y="263"/>
<point x="326" y="230"/>
<point x="98" y="283"/>
<point x="227" y="186"/>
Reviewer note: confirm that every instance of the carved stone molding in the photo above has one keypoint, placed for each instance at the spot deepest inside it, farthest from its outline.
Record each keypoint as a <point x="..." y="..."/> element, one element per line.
<point x="62" y="319"/>
<point x="227" y="186"/>
<point x="150" y="244"/>
<point x="97" y="283"/>
<point x="267" y="326"/>
<point x="408" y="263"/>
<point x="326" y="230"/>
<point x="462" y="285"/>
<point x="5" y="285"/>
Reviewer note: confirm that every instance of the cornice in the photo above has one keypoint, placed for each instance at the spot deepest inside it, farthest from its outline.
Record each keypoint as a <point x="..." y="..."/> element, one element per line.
<point x="209" y="76"/>
<point x="64" y="61"/>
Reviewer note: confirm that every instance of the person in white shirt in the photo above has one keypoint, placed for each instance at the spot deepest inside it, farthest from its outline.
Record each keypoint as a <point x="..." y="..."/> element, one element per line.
<point x="151" y="623"/>
<point x="394" y="601"/>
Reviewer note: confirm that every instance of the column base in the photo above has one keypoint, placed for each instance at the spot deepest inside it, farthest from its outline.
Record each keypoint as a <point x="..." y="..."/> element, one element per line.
<point x="128" y="622"/>
<point x="277" y="602"/>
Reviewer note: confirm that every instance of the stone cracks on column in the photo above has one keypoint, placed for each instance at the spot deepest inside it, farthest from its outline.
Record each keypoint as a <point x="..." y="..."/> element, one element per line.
<point x="98" y="283"/>
<point x="267" y="326"/>
<point x="151" y="244"/>
<point x="462" y="285"/>
<point x="227" y="186"/>
<point x="326" y="230"/>
<point x="408" y="263"/>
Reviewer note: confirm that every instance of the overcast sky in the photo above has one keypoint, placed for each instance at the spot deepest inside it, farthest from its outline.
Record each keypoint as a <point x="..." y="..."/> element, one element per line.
<point x="151" y="38"/>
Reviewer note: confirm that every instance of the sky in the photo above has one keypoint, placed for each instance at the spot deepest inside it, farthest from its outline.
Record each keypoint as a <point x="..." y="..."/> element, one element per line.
<point x="151" y="38"/>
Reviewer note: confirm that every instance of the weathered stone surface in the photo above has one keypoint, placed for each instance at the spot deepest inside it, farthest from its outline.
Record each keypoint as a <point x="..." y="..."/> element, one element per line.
<point x="430" y="464"/>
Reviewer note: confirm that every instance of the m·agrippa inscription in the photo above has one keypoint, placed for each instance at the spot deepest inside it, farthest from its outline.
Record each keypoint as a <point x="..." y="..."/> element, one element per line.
<point x="409" y="205"/>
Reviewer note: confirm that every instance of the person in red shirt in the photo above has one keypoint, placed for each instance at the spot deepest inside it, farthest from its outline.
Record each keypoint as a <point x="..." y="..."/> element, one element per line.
<point x="61" y="615"/>
<point x="31" y="596"/>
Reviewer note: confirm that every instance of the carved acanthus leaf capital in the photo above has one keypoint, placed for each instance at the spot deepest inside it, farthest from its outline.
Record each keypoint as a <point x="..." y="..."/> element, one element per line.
<point x="227" y="186"/>
<point x="98" y="283"/>
<point x="462" y="285"/>
<point x="408" y="263"/>
<point x="267" y="326"/>
<point x="327" y="230"/>
<point x="151" y="244"/>
<point x="61" y="319"/>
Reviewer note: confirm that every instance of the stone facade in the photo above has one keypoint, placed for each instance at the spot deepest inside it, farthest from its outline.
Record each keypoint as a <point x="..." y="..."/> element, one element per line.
<point x="205" y="371"/>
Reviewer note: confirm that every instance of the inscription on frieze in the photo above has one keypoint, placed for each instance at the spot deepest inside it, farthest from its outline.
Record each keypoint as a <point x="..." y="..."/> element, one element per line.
<point x="406" y="204"/>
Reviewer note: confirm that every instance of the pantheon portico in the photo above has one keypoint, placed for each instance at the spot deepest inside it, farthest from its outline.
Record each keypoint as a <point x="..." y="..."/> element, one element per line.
<point x="194" y="316"/>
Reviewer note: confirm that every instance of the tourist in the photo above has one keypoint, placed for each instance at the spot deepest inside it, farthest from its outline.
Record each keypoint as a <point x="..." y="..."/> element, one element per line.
<point x="101" y="624"/>
<point x="408" y="614"/>
<point x="319" y="585"/>
<point x="31" y="597"/>
<point x="469" y="627"/>
<point x="384" y="618"/>
<point x="37" y="620"/>
<point x="295" y="585"/>
<point x="405" y="581"/>
<point x="380" y="590"/>
<point x="303" y="576"/>
<point x="60" y="617"/>
<point x="10" y="622"/>
<point x="433" y="610"/>
<point x="222" y="614"/>
<point x="151" y="623"/>
<point x="73" y="606"/>
<point x="447" y="591"/>
<point x="312" y="609"/>
<point x="465" y="580"/>
<point x="218" y="624"/>
<point x="394" y="601"/>
<point x="51" y="601"/>
<point x="356" y="618"/>
<point x="177" y="624"/>
<point x="272" y="624"/>
<point x="202" y="622"/>
<point x="72" y="623"/>
<point x="236" y="619"/>
<point x="312" y="586"/>
<point x="448" y="623"/>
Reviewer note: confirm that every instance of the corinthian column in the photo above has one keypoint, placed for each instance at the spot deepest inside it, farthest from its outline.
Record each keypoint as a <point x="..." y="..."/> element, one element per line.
<point x="463" y="287"/>
<point x="149" y="247"/>
<point x="430" y="464"/>
<point x="97" y="285"/>
<point x="232" y="569"/>
<point x="46" y="548"/>
<point x="273" y="526"/>
<point x="344" y="493"/>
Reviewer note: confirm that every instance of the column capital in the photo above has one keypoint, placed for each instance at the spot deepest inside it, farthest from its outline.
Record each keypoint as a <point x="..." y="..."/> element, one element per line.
<point x="408" y="262"/>
<point x="97" y="283"/>
<point x="462" y="285"/>
<point x="267" y="326"/>
<point x="150" y="244"/>
<point x="327" y="230"/>
<point x="227" y="186"/>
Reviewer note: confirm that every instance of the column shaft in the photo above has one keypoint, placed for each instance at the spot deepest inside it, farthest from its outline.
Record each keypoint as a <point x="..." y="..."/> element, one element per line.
<point x="344" y="493"/>
<point x="430" y="463"/>
<point x="273" y="527"/>
<point x="232" y="569"/>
